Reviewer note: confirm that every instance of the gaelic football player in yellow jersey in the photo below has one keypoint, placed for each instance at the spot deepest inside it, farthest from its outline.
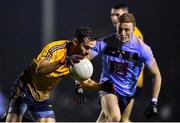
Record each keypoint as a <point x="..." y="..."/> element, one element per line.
<point x="116" y="12"/>
<point x="32" y="88"/>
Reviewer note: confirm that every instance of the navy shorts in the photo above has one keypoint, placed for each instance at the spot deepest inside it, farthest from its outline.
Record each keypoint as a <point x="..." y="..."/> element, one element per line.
<point x="21" y="101"/>
<point x="122" y="100"/>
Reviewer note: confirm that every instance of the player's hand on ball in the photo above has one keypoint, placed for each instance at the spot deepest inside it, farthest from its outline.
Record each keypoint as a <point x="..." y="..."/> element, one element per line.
<point x="81" y="71"/>
<point x="79" y="96"/>
<point x="108" y="86"/>
<point x="73" y="59"/>
<point x="151" y="111"/>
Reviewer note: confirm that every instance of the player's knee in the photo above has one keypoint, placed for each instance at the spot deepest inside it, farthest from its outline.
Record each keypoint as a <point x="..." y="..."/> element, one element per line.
<point x="125" y="119"/>
<point x="52" y="120"/>
<point x="13" y="118"/>
<point x="115" y="118"/>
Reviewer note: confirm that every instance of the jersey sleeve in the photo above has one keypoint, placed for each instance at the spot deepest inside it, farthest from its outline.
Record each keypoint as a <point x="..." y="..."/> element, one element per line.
<point x="147" y="55"/>
<point x="98" y="49"/>
<point x="47" y="54"/>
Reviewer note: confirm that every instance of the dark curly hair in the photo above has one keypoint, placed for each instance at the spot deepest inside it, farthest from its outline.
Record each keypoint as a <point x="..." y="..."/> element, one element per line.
<point x="121" y="6"/>
<point x="85" y="31"/>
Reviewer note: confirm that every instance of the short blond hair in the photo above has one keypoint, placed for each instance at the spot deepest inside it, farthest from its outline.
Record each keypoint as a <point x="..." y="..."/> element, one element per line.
<point x="126" y="18"/>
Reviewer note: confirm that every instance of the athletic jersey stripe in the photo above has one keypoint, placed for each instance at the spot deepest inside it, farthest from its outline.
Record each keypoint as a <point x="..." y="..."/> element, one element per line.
<point x="53" y="49"/>
<point x="49" y="54"/>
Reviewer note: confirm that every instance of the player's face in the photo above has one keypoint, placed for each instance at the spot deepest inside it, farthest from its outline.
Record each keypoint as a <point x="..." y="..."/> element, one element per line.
<point x="115" y="13"/>
<point x="125" y="31"/>
<point x="86" y="46"/>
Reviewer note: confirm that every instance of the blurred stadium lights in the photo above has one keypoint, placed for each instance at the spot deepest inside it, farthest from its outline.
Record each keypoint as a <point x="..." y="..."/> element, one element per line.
<point x="166" y="112"/>
<point x="48" y="20"/>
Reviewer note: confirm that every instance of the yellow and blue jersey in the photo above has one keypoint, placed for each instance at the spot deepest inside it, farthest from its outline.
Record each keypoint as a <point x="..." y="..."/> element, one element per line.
<point x="41" y="86"/>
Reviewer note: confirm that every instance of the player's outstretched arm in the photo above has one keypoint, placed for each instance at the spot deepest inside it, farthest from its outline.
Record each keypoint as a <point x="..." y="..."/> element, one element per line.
<point x="107" y="86"/>
<point x="45" y="67"/>
<point x="90" y="84"/>
<point x="151" y="110"/>
<point x="154" y="69"/>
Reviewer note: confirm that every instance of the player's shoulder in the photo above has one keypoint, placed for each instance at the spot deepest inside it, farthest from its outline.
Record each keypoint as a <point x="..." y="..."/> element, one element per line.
<point x="138" y="40"/>
<point x="142" y="45"/>
<point x="58" y="43"/>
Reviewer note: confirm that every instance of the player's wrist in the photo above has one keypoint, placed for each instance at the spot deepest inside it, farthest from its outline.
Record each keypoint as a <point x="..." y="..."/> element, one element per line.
<point x="77" y="82"/>
<point x="78" y="87"/>
<point x="154" y="100"/>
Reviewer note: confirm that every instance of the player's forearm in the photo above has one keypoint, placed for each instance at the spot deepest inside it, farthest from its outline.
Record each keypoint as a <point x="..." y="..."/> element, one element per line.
<point x="156" y="86"/>
<point x="90" y="84"/>
<point x="46" y="68"/>
<point x="154" y="69"/>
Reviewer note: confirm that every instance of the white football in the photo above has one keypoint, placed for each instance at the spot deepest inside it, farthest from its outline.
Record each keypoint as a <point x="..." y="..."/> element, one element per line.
<point x="81" y="71"/>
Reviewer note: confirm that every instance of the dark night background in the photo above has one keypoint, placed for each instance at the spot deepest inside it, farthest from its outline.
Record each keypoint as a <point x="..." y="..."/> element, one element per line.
<point x="23" y="32"/>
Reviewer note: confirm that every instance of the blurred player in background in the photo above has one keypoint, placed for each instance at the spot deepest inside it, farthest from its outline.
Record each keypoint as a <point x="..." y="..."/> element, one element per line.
<point x="123" y="57"/>
<point x="117" y="11"/>
<point x="32" y="89"/>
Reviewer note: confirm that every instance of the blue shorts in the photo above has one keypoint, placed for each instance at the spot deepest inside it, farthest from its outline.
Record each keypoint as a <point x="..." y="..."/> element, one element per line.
<point x="22" y="101"/>
<point x="123" y="101"/>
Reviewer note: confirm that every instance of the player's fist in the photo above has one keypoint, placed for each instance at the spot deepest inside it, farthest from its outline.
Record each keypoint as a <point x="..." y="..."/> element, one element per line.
<point x="79" y="96"/>
<point x="151" y="110"/>
<point x="108" y="86"/>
